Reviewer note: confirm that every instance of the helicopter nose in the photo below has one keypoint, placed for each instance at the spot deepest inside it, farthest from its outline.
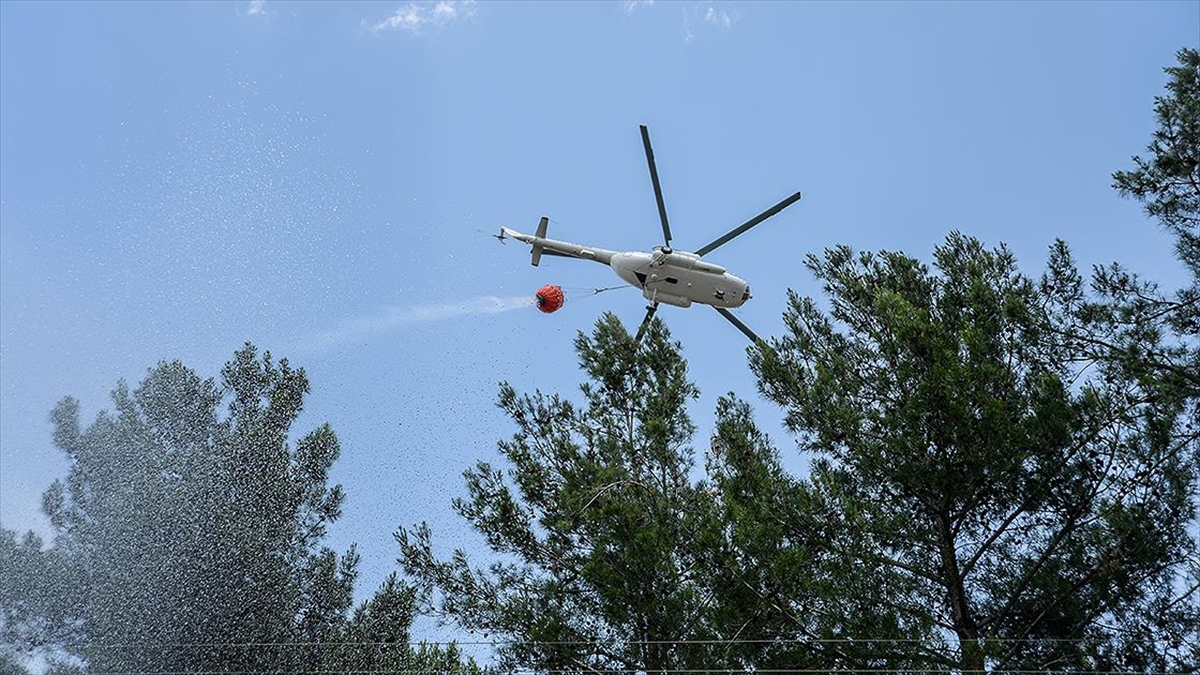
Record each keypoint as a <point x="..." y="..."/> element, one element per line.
<point x="746" y="296"/>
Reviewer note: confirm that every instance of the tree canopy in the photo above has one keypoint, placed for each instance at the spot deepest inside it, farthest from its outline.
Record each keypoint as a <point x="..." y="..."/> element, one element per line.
<point x="189" y="533"/>
<point x="189" y="537"/>
<point x="591" y="527"/>
<point x="1167" y="183"/>
<point x="1005" y="485"/>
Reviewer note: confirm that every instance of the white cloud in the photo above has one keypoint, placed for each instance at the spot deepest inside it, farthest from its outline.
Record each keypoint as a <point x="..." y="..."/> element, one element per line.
<point x="416" y="16"/>
<point x="720" y="18"/>
<point x="707" y="13"/>
<point x="631" y="5"/>
<point x="257" y="8"/>
<point x="361" y="328"/>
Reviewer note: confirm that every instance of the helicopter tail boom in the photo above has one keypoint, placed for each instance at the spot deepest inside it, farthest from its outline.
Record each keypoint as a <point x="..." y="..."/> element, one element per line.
<point x="543" y="246"/>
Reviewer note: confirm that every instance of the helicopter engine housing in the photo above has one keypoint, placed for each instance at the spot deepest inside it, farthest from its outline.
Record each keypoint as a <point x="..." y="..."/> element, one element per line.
<point x="685" y="260"/>
<point x="666" y="298"/>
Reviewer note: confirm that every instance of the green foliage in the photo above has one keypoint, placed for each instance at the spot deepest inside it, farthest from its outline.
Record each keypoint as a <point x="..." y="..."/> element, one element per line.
<point x="1168" y="183"/>
<point x="32" y="580"/>
<point x="188" y="534"/>
<point x="1127" y="320"/>
<point x="780" y="547"/>
<point x="189" y="540"/>
<point x="593" y="526"/>
<point x="981" y="472"/>
<point x="378" y="639"/>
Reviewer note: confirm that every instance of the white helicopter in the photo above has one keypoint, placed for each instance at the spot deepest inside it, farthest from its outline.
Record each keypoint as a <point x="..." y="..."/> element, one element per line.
<point x="678" y="278"/>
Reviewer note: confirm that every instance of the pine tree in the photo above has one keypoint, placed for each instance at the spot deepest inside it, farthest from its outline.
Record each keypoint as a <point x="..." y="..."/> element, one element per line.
<point x="593" y="527"/>
<point x="190" y="540"/>
<point x="35" y="583"/>
<point x="378" y="639"/>
<point x="988" y="475"/>
<point x="792" y="572"/>
<point x="194" y="538"/>
<point x="1168" y="183"/>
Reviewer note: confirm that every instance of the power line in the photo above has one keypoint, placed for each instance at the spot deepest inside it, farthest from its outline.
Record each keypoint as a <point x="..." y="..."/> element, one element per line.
<point x="447" y="643"/>
<point x="603" y="671"/>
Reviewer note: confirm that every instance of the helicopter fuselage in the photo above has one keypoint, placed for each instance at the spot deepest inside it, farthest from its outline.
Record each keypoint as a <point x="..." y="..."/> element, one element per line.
<point x="672" y="277"/>
<point x="680" y="278"/>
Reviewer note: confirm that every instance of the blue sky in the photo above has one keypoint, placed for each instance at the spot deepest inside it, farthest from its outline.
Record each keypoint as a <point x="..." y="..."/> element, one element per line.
<point x="319" y="179"/>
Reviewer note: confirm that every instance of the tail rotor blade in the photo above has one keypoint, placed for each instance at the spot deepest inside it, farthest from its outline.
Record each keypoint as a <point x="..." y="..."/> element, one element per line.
<point x="662" y="209"/>
<point x="748" y="224"/>
<point x="650" y="310"/>
<point x="740" y="326"/>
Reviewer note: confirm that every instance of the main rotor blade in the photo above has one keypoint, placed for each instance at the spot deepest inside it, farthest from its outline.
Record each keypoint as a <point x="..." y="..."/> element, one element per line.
<point x="650" y="310"/>
<point x="740" y="326"/>
<point x="662" y="209"/>
<point x="748" y="224"/>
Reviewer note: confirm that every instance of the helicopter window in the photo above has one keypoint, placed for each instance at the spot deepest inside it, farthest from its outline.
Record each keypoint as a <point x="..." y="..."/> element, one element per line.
<point x="671" y="280"/>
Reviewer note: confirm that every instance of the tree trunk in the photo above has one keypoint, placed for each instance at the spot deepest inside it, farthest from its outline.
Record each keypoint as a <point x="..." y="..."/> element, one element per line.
<point x="964" y="623"/>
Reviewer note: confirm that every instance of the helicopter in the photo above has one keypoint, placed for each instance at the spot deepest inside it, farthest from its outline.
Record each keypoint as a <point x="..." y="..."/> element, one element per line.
<point x="664" y="275"/>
